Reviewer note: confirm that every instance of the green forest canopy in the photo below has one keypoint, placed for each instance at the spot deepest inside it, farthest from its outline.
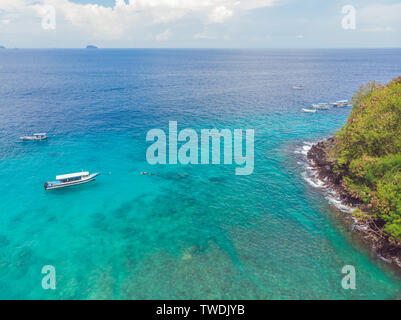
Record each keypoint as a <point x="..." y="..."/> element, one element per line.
<point x="368" y="151"/>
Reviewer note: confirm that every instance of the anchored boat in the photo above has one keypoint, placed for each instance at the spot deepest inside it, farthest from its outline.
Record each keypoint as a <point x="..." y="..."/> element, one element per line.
<point x="321" y="106"/>
<point x="340" y="103"/>
<point x="35" y="136"/>
<point x="309" y="110"/>
<point x="72" y="179"/>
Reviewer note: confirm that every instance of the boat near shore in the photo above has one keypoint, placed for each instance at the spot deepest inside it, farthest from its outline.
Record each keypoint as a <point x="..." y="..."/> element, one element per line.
<point x="309" y="110"/>
<point x="340" y="103"/>
<point x="34" y="137"/>
<point x="72" y="179"/>
<point x="321" y="106"/>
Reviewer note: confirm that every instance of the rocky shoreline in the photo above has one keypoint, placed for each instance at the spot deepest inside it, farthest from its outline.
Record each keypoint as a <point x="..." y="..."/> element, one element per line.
<point x="369" y="230"/>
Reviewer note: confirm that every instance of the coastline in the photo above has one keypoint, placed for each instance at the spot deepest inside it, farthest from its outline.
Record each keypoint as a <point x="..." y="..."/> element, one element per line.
<point x="369" y="230"/>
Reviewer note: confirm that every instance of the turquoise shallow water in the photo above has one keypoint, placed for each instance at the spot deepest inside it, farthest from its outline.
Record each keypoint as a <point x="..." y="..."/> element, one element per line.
<point x="189" y="231"/>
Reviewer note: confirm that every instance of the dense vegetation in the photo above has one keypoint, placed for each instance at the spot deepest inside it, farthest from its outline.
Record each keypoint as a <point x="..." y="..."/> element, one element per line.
<point x="368" y="151"/>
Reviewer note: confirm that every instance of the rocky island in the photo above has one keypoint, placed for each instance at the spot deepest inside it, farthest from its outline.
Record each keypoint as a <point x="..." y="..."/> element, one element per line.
<point x="362" y="164"/>
<point x="91" y="47"/>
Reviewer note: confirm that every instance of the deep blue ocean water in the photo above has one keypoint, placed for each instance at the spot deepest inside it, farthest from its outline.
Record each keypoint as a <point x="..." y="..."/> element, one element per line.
<point x="193" y="232"/>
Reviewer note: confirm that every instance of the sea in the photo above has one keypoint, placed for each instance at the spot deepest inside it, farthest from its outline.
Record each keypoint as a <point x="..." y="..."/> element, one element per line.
<point x="187" y="231"/>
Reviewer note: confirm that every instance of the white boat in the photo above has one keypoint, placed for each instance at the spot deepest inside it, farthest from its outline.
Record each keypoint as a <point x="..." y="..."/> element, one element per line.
<point x="35" y="137"/>
<point x="309" y="110"/>
<point x="72" y="179"/>
<point x="298" y="88"/>
<point x="340" y="103"/>
<point x="322" y="106"/>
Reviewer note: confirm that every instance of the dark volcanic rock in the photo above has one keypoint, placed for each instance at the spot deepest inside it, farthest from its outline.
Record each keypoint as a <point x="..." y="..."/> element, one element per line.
<point x="371" y="230"/>
<point x="320" y="155"/>
<point x="320" y="158"/>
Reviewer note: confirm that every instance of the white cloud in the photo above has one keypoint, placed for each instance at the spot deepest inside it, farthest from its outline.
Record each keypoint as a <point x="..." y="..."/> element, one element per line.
<point x="254" y="4"/>
<point x="110" y="23"/>
<point x="300" y="36"/>
<point x="11" y="5"/>
<point x="378" y="29"/>
<point x="164" y="36"/>
<point x="379" y="18"/>
<point x="101" y="21"/>
<point x="204" y="35"/>
<point x="220" y="14"/>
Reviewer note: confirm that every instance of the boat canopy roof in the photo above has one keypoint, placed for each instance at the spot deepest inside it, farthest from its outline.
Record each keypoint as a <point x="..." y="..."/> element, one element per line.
<point x="39" y="134"/>
<point x="72" y="175"/>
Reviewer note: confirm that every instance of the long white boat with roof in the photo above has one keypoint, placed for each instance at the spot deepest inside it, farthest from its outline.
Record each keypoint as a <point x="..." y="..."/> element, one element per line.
<point x="71" y="179"/>
<point x="34" y="137"/>
<point x="340" y="103"/>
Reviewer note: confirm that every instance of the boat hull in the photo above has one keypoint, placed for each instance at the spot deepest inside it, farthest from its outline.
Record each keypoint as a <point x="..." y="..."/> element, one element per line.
<point x="32" y="139"/>
<point x="309" y="110"/>
<point x="52" y="186"/>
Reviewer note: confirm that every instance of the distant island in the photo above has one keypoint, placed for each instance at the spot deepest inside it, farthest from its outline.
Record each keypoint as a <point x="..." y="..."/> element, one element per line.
<point x="362" y="163"/>
<point x="2" y="47"/>
<point x="91" y="47"/>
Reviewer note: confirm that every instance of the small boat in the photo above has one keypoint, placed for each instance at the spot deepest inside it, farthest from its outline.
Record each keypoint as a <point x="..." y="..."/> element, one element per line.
<point x="298" y="88"/>
<point x="340" y="103"/>
<point x="35" y="137"/>
<point x="309" y="110"/>
<point x="321" y="106"/>
<point x="72" y="179"/>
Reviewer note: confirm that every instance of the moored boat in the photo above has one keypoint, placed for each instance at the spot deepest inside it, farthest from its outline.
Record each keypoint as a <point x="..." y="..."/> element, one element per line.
<point x="321" y="106"/>
<point x="309" y="110"/>
<point x="72" y="179"/>
<point x="340" y="103"/>
<point x="35" y="137"/>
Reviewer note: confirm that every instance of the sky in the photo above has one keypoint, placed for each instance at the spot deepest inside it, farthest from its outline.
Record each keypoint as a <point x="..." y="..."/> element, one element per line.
<point x="200" y="23"/>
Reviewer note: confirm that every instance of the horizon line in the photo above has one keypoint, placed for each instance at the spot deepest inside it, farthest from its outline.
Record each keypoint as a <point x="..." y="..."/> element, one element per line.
<point x="194" y="48"/>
